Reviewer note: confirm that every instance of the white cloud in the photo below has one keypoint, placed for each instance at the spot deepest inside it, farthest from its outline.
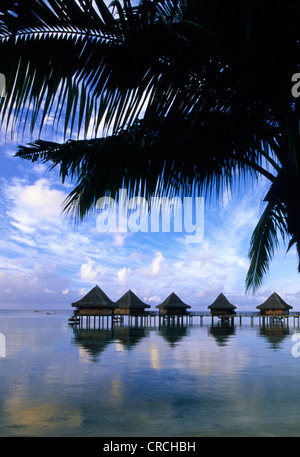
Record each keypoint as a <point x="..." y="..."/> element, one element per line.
<point x="23" y="239"/>
<point x="156" y="263"/>
<point x="136" y="256"/>
<point x="119" y="240"/>
<point x="82" y="292"/>
<point x="41" y="200"/>
<point x="154" y="299"/>
<point x="35" y="237"/>
<point x="39" y="168"/>
<point x="32" y="206"/>
<point x="9" y="153"/>
<point x="90" y="272"/>
<point x="42" y="284"/>
<point x="123" y="275"/>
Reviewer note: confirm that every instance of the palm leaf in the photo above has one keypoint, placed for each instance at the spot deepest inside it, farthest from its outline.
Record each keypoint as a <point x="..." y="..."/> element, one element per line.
<point x="177" y="94"/>
<point x="80" y="61"/>
<point x="57" y="57"/>
<point x="264" y="241"/>
<point x="163" y="157"/>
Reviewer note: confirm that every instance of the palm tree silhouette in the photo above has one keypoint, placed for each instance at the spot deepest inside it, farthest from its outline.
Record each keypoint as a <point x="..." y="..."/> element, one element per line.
<point x="165" y="96"/>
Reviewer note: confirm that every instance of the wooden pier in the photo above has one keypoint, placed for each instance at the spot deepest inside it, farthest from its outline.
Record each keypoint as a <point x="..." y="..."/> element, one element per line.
<point x="151" y="318"/>
<point x="143" y="320"/>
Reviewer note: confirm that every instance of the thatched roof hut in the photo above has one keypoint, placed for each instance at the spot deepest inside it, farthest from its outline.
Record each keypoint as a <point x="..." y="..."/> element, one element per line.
<point x="172" y="305"/>
<point x="222" y="305"/>
<point x="274" y="305"/>
<point x="129" y="303"/>
<point x="95" y="303"/>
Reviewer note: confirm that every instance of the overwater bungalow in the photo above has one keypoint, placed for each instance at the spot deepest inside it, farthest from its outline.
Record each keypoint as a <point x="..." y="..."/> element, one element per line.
<point x="221" y="306"/>
<point x="94" y="303"/>
<point x="129" y="303"/>
<point x="172" y="305"/>
<point x="274" y="305"/>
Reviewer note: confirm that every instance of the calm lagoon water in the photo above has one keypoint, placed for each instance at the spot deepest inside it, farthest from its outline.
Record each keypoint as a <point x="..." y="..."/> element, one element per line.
<point x="131" y="381"/>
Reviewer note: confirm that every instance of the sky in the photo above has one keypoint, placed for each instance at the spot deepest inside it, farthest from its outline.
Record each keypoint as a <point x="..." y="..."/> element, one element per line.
<point x="48" y="261"/>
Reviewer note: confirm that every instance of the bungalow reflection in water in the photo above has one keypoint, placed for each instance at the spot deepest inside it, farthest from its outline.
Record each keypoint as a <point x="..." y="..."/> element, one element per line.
<point x="94" y="342"/>
<point x="275" y="334"/>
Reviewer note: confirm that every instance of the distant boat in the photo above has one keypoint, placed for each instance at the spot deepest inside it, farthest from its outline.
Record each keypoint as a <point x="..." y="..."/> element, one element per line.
<point x="51" y="312"/>
<point x="37" y="310"/>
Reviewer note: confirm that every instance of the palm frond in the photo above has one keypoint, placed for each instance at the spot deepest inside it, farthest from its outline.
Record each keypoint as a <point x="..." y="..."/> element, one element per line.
<point x="176" y="93"/>
<point x="90" y="165"/>
<point x="166" y="158"/>
<point x="76" y="60"/>
<point x="264" y="242"/>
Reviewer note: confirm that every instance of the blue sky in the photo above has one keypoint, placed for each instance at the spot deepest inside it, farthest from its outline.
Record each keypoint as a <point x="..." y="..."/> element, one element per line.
<point x="48" y="262"/>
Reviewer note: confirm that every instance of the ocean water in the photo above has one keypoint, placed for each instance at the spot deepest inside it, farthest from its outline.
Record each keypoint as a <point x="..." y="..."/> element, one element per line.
<point x="196" y="380"/>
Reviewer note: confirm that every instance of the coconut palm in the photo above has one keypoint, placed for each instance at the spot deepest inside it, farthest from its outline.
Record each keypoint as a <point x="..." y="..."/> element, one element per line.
<point x="163" y="97"/>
